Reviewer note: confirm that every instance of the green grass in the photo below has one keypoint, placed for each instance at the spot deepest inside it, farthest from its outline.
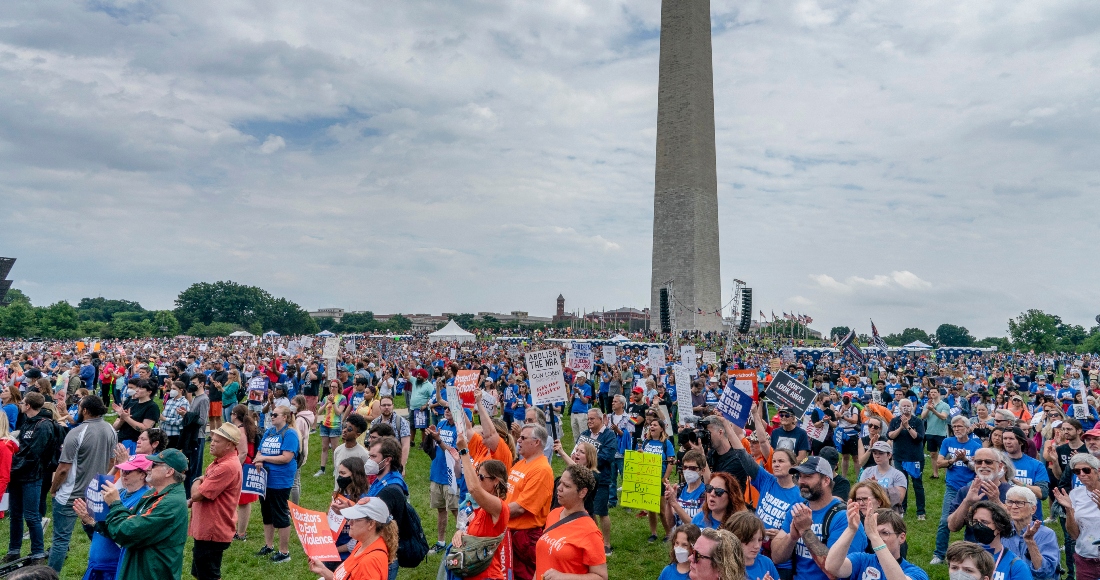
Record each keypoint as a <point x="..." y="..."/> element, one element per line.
<point x="633" y="558"/>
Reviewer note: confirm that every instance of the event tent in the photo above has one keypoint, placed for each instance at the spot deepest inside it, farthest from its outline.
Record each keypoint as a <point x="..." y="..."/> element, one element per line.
<point x="271" y="333"/>
<point x="451" y="333"/>
<point x="241" y="333"/>
<point x="917" y="345"/>
<point x="618" y="338"/>
<point x="325" y="333"/>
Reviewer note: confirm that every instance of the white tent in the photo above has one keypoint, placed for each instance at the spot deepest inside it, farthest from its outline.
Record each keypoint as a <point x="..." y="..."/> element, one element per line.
<point x="271" y="333"/>
<point x="917" y="345"/>
<point x="241" y="333"/>
<point x="451" y="333"/>
<point x="618" y="338"/>
<point x="325" y="333"/>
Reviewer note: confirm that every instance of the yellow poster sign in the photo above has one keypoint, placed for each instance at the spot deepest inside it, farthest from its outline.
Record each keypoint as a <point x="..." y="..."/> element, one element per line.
<point x="642" y="481"/>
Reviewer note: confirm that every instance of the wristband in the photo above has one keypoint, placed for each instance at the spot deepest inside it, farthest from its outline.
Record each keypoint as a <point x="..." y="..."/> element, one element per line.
<point x="464" y="452"/>
<point x="878" y="548"/>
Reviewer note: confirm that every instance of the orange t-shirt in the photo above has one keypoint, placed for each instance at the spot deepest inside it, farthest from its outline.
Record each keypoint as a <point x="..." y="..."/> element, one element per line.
<point x="531" y="485"/>
<point x="482" y="526"/>
<point x="570" y="548"/>
<point x="480" y="452"/>
<point x="370" y="563"/>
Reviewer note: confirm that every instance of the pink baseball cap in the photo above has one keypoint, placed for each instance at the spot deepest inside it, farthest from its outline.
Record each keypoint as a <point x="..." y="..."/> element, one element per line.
<point x="1094" y="432"/>
<point x="136" y="462"/>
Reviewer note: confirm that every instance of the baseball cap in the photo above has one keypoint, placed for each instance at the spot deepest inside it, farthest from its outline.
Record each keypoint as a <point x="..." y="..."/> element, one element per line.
<point x="374" y="509"/>
<point x="172" y="458"/>
<point x="813" y="465"/>
<point x="137" y="462"/>
<point x="882" y="446"/>
<point x="582" y="375"/>
<point x="229" y="431"/>
<point x="1094" y="432"/>
<point x="637" y="390"/>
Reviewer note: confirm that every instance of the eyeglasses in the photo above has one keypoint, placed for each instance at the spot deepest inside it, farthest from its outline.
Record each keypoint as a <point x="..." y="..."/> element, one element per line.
<point x="1016" y="503"/>
<point x="862" y="500"/>
<point x="717" y="491"/>
<point x="886" y="534"/>
<point x="985" y="462"/>
<point x="695" y="555"/>
<point x="1082" y="471"/>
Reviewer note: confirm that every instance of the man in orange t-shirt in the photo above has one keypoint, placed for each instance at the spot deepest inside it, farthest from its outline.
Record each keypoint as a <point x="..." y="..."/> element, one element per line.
<point x="530" y="489"/>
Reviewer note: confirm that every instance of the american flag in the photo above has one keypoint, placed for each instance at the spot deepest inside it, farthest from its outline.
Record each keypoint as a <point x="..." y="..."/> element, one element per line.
<point x="875" y="338"/>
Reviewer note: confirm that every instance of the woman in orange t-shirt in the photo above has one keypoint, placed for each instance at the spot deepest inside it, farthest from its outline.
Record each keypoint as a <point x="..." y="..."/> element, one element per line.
<point x="371" y="525"/>
<point x="490" y="519"/>
<point x="573" y="548"/>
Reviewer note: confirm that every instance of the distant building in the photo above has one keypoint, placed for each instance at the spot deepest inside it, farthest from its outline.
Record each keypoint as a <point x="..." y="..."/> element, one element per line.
<point x="334" y="313"/>
<point x="517" y="317"/>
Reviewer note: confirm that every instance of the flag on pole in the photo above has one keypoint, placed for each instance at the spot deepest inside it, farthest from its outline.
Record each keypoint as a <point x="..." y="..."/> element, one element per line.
<point x="850" y="348"/>
<point x="774" y="318"/>
<point x="875" y="338"/>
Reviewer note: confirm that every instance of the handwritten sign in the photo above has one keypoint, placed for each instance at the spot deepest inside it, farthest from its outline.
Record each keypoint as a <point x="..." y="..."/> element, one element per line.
<point x="683" y="391"/>
<point x="254" y="480"/>
<point x="513" y="350"/>
<point x="466" y="385"/>
<point x="547" y="379"/>
<point x="581" y="357"/>
<point x="641" y="481"/>
<point x="314" y="533"/>
<point x="736" y="402"/>
<point x="710" y="357"/>
<point x="454" y="403"/>
<point x="332" y="347"/>
<point x="687" y="357"/>
<point x="609" y="355"/>
<point x="94" y="498"/>
<point x="656" y="358"/>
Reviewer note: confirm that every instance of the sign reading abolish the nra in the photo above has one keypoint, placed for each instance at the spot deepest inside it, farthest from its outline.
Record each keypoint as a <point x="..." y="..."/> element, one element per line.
<point x="547" y="379"/>
<point x="786" y="391"/>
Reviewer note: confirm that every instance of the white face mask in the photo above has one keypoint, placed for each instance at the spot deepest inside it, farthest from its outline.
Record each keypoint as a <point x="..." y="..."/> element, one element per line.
<point x="691" y="476"/>
<point x="371" y="467"/>
<point x="174" y="393"/>
<point x="960" y="575"/>
<point x="131" y="392"/>
<point x="683" y="553"/>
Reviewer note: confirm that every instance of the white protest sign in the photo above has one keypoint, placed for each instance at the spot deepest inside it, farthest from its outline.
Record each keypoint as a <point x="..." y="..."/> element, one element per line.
<point x="547" y="379"/>
<point x="330" y="368"/>
<point x="687" y="357"/>
<point x="609" y="356"/>
<point x="332" y="347"/>
<point x="812" y="431"/>
<point x="710" y="357"/>
<point x="349" y="345"/>
<point x="683" y="391"/>
<point x="307" y="342"/>
<point x="454" y="403"/>
<point x="454" y="354"/>
<point x="513" y="350"/>
<point x="582" y="357"/>
<point x="656" y="359"/>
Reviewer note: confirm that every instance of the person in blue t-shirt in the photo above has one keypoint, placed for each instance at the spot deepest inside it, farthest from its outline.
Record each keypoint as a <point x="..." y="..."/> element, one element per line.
<point x="988" y="523"/>
<point x="750" y="530"/>
<point x="657" y="443"/>
<point x="885" y="533"/>
<point x="581" y="399"/>
<point x="810" y="529"/>
<point x="1029" y="471"/>
<point x="442" y="497"/>
<point x="683" y="538"/>
<point x="955" y="455"/>
<point x="277" y="454"/>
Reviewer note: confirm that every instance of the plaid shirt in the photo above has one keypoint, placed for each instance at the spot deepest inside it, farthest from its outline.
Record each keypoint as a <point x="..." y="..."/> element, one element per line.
<point x="171" y="421"/>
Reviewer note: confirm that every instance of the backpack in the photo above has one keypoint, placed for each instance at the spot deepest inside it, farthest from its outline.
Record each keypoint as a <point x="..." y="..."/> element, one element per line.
<point x="825" y="527"/>
<point x="412" y="550"/>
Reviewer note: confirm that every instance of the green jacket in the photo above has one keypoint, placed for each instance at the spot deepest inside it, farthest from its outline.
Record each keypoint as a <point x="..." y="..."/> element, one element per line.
<point x="153" y="533"/>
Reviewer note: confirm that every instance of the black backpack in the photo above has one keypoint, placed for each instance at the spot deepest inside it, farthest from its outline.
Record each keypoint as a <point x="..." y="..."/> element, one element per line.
<point x="411" y="550"/>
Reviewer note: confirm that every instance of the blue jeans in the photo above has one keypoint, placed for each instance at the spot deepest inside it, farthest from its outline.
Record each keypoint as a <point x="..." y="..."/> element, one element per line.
<point x="393" y="570"/>
<point x="64" y="518"/>
<point x="23" y="502"/>
<point x="616" y="469"/>
<point x="943" y="535"/>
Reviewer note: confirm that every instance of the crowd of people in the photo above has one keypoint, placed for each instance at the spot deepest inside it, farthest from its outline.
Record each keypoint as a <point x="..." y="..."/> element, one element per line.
<point x="145" y="443"/>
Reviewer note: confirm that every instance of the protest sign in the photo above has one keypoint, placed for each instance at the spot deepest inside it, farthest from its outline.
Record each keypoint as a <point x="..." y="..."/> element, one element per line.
<point x="683" y="392"/>
<point x="513" y="350"/>
<point x="775" y="365"/>
<point x="736" y="402"/>
<point x="466" y="385"/>
<point x="202" y="348"/>
<point x="349" y="345"/>
<point x="749" y="377"/>
<point x="641" y="481"/>
<point x="581" y="357"/>
<point x="330" y="368"/>
<point x="609" y="356"/>
<point x="335" y="520"/>
<point x="93" y="496"/>
<point x="814" y="432"/>
<point x="454" y="403"/>
<point x="787" y="354"/>
<point x="306" y="342"/>
<point x="687" y="357"/>
<point x="786" y="391"/>
<point x="656" y="359"/>
<point x="547" y="379"/>
<point x="454" y="354"/>
<point x="257" y="389"/>
<point x="332" y="347"/>
<point x="710" y="357"/>
<point x="254" y="480"/>
<point x="314" y="533"/>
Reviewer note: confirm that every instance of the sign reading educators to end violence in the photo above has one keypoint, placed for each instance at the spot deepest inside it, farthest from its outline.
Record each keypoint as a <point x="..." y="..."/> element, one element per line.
<point x="641" y="481"/>
<point x="786" y="391"/>
<point x="254" y="480"/>
<point x="547" y="380"/>
<point x="314" y="533"/>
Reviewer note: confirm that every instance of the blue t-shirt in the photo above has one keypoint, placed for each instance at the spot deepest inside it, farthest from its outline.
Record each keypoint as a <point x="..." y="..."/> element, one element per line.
<point x="579" y="406"/>
<point x="12" y="411"/>
<point x="959" y="474"/>
<point x="866" y="567"/>
<point x="440" y="473"/>
<point x="671" y="573"/>
<point x="657" y="447"/>
<point x="1009" y="566"/>
<point x="691" y="501"/>
<point x="761" y="568"/>
<point x="273" y="444"/>
<point x="704" y="521"/>
<point x="775" y="502"/>
<point x="1029" y="471"/>
<point x="804" y="566"/>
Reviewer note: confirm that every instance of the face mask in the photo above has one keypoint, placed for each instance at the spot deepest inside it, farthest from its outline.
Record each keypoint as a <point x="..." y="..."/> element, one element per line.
<point x="371" y="467"/>
<point x="683" y="553"/>
<point x="131" y="392"/>
<point x="691" y="476"/>
<point x="981" y="533"/>
<point x="960" y="575"/>
<point x="174" y="393"/>
<point x="343" y="482"/>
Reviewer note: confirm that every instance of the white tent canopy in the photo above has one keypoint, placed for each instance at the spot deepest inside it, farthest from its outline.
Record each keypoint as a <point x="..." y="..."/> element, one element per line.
<point x="451" y="333"/>
<point x="618" y="338"/>
<point x="916" y="344"/>
<point x="272" y="333"/>
<point x="325" y="333"/>
<point x="241" y="333"/>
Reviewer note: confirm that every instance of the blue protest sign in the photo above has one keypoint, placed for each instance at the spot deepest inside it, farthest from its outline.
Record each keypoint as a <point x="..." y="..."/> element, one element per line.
<point x="736" y="402"/>
<point x="254" y="480"/>
<point x="93" y="497"/>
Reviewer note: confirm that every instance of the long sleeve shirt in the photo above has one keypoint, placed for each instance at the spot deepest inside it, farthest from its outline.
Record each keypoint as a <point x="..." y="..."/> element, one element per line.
<point x="1048" y="549"/>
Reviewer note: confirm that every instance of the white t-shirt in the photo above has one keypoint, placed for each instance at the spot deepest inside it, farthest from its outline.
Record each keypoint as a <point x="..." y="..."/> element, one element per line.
<point x="1088" y="519"/>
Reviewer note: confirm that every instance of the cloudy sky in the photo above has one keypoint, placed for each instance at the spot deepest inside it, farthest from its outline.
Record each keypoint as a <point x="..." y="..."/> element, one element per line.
<point x="912" y="162"/>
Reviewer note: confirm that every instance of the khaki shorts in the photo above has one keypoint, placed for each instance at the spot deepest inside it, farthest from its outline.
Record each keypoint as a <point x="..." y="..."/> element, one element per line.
<point x="442" y="498"/>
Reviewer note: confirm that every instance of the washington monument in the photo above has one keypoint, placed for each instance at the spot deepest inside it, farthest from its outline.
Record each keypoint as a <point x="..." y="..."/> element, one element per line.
<point x="685" y="197"/>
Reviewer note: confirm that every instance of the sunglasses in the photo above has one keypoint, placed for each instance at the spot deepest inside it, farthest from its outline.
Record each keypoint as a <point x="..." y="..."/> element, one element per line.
<point x="784" y="415"/>
<point x="1082" y="471"/>
<point x="875" y="427"/>
<point x="985" y="462"/>
<point x="483" y="477"/>
<point x="697" y="556"/>
<point x="717" y="491"/>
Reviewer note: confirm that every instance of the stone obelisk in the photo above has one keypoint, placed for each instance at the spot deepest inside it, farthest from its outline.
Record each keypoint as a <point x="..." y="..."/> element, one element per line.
<point x="685" y="198"/>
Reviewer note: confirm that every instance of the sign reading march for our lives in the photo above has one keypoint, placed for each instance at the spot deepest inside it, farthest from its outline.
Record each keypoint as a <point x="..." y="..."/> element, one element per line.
<point x="466" y="385"/>
<point x="736" y="402"/>
<point x="547" y="379"/>
<point x="254" y="480"/>
<point x="641" y="481"/>
<point x="786" y="391"/>
<point x="94" y="498"/>
<point x="314" y="533"/>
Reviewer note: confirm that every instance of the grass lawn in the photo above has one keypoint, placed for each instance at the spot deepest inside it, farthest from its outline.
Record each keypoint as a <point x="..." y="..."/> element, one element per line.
<point x="634" y="558"/>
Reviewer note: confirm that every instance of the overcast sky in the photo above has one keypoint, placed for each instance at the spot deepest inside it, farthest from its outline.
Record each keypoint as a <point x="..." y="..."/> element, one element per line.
<point x="911" y="162"/>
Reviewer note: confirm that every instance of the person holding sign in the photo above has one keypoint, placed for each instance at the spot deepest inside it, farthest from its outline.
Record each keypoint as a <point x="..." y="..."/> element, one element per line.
<point x="657" y="443"/>
<point x="104" y="555"/>
<point x="489" y="489"/>
<point x="372" y="527"/>
<point x="214" y="498"/>
<point x="278" y="449"/>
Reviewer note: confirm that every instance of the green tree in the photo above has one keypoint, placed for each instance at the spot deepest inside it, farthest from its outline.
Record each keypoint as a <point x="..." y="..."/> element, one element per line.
<point x="286" y="317"/>
<point x="104" y="310"/>
<point x="93" y="328"/>
<point x="225" y="301"/>
<point x="1035" y="330"/>
<point x="1091" y="343"/>
<point x="16" y="295"/>
<point x="1070" y="336"/>
<point x="210" y="330"/>
<point x="952" y="335"/>
<point x="58" y="320"/>
<point x="326" y="323"/>
<point x="907" y="336"/>
<point x="840" y="331"/>
<point x="165" y="323"/>
<point x="399" y="323"/>
<point x="18" y="320"/>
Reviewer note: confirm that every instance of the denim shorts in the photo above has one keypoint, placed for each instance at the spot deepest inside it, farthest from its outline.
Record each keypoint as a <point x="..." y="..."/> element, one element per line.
<point x="327" y="432"/>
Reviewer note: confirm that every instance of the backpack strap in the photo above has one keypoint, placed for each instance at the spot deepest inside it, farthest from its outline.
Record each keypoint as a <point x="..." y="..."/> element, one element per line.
<point x="826" y="529"/>
<point x="566" y="520"/>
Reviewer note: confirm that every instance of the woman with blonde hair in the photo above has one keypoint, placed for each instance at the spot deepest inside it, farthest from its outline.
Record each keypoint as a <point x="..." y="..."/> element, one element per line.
<point x="372" y="527"/>
<point x="718" y="554"/>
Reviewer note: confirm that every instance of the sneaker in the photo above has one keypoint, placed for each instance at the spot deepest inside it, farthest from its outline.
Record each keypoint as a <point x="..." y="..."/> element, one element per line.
<point x="45" y="523"/>
<point x="320" y="472"/>
<point x="280" y="557"/>
<point x="240" y="538"/>
<point x="652" y="539"/>
<point x="608" y="551"/>
<point x="265" y="551"/>
<point x="936" y="560"/>
<point x="438" y="548"/>
<point x="920" y="518"/>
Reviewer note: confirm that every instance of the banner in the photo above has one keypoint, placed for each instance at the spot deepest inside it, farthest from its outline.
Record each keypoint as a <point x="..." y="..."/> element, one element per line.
<point x="257" y="389"/>
<point x="93" y="496"/>
<point x="786" y="391"/>
<point x="466" y="385"/>
<point x="254" y="480"/>
<point x="656" y="359"/>
<point x="547" y="379"/>
<point x="332" y="347"/>
<point x="314" y="533"/>
<point x="749" y="375"/>
<point x="642" y="473"/>
<point x="683" y="392"/>
<point x="710" y="357"/>
<point x="736" y="402"/>
<point x="581" y="358"/>
<point x="609" y="356"/>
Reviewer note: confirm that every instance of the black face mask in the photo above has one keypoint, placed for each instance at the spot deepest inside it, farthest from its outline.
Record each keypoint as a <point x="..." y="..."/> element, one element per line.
<point x="982" y="533"/>
<point x="343" y="482"/>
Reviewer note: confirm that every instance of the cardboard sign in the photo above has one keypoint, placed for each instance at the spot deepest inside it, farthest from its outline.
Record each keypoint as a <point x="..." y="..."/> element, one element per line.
<point x="656" y="359"/>
<point x="458" y="413"/>
<point x="710" y="357"/>
<point x="547" y="379"/>
<point x="314" y="533"/>
<point x="609" y="355"/>
<point x="254" y="480"/>
<point x="736" y="402"/>
<point x="812" y="431"/>
<point x="466" y="385"/>
<point x="257" y="389"/>
<point x="93" y="496"/>
<point x="683" y="392"/>
<point x="583" y="358"/>
<point x="332" y="347"/>
<point x="787" y="391"/>
<point x="642" y="474"/>
<point x="306" y="342"/>
<point x="746" y="376"/>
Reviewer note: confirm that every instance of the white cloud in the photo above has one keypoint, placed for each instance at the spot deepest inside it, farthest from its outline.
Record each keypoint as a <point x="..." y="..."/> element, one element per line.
<point x="272" y="144"/>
